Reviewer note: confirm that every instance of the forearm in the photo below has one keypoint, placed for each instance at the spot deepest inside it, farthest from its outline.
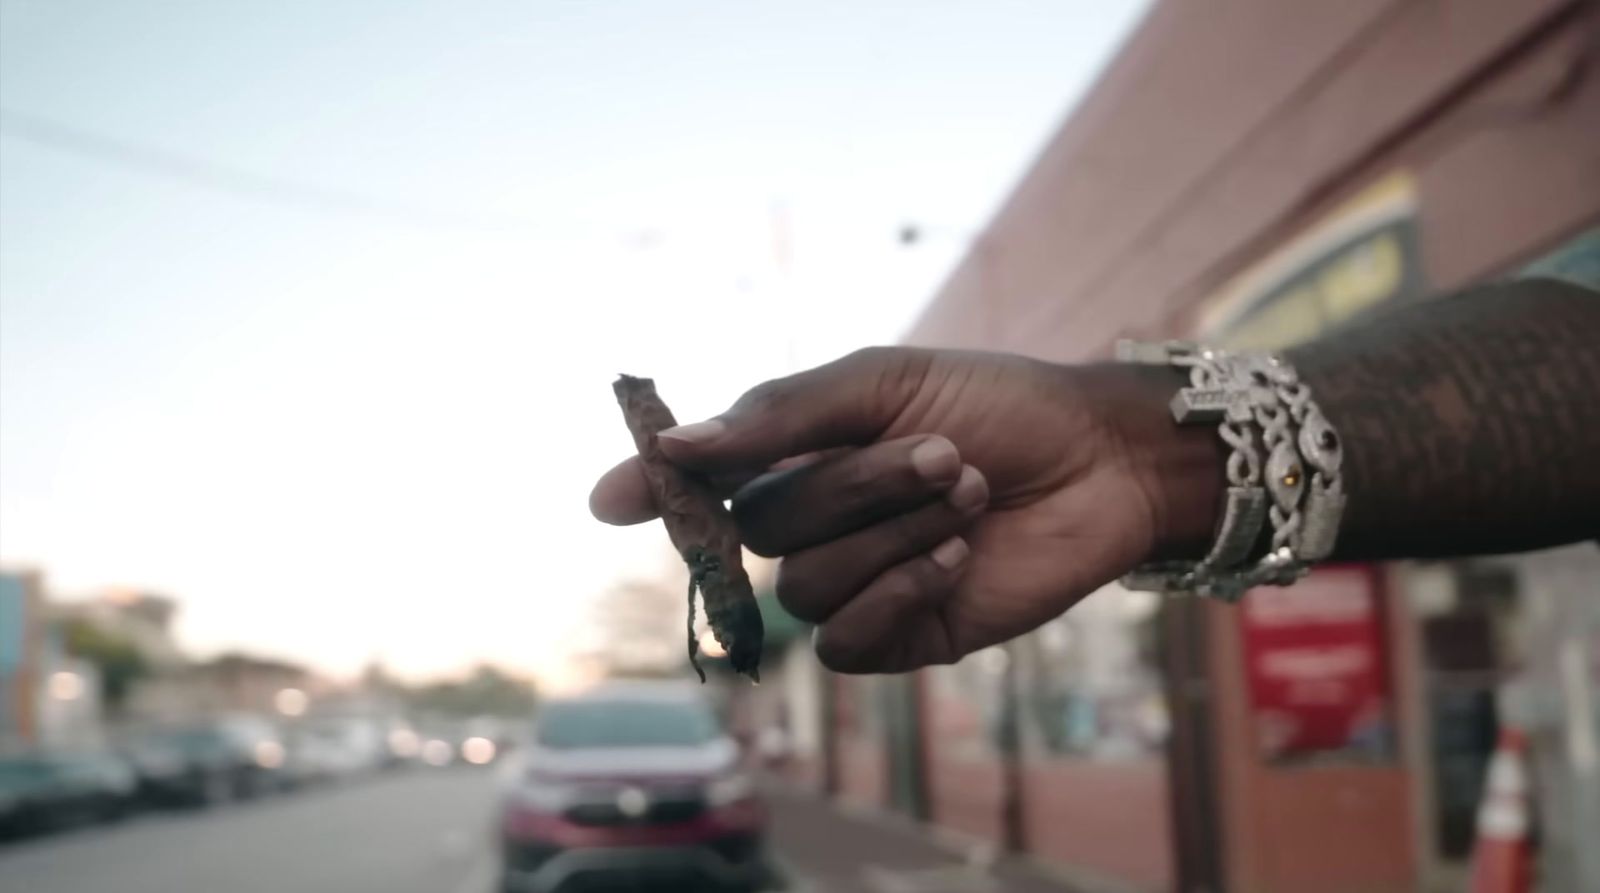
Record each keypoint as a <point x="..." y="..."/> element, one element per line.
<point x="1471" y="423"/>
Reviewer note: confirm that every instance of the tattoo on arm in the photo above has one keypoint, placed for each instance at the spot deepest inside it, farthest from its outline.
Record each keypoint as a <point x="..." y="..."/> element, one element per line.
<point x="1471" y="423"/>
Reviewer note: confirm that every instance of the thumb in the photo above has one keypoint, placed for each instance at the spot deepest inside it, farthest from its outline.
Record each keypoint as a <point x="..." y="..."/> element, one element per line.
<point x="848" y="402"/>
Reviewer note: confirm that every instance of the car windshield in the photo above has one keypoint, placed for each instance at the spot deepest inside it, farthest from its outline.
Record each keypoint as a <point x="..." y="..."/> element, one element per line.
<point x="625" y="724"/>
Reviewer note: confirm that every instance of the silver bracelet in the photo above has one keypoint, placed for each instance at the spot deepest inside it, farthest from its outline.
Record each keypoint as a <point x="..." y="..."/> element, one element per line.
<point x="1261" y="408"/>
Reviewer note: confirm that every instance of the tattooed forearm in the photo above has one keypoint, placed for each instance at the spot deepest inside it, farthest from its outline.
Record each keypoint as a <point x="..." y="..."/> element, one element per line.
<point x="1471" y="423"/>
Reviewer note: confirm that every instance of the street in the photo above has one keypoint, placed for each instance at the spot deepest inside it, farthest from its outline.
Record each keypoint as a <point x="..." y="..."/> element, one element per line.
<point x="421" y="832"/>
<point x="431" y="832"/>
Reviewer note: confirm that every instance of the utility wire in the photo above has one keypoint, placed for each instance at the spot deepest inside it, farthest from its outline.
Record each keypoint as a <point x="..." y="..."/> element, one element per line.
<point x="58" y="136"/>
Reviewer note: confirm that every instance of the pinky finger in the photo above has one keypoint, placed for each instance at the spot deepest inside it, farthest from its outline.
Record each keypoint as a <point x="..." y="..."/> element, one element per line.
<point x="894" y="623"/>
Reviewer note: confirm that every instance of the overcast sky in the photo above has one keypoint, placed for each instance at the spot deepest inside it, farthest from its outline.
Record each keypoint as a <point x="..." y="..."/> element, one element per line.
<point x="309" y="310"/>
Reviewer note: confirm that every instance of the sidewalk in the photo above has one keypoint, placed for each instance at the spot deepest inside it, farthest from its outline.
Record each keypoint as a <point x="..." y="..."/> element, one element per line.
<point x="827" y="849"/>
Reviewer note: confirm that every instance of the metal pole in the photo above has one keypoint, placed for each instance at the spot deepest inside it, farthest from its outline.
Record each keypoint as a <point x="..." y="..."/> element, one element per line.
<point x="1012" y="819"/>
<point x="1191" y="779"/>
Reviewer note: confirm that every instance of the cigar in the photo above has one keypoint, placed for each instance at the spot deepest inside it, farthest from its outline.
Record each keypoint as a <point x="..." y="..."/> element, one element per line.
<point x="701" y="529"/>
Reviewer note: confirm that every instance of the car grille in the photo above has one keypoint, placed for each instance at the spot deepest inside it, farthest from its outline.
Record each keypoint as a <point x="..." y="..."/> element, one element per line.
<point x="664" y="809"/>
<point x="737" y="849"/>
<point x="635" y="881"/>
<point x="522" y="856"/>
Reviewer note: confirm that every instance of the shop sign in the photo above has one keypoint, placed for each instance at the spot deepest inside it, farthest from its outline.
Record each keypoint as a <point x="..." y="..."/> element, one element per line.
<point x="1314" y="665"/>
<point x="1361" y="255"/>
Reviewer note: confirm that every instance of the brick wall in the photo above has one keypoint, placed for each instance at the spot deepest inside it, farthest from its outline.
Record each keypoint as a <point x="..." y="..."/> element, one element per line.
<point x="1108" y="818"/>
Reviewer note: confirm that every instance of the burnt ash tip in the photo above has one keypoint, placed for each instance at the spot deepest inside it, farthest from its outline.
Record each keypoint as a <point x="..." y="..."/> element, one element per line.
<point x="748" y="663"/>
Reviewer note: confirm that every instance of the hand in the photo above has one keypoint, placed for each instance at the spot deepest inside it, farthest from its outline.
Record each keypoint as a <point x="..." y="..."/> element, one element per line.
<point x="930" y="503"/>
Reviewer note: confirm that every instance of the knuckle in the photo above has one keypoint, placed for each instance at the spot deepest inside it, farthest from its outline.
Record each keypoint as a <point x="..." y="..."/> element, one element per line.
<point x="767" y="397"/>
<point x="909" y="583"/>
<point x="928" y="576"/>
<point x="903" y="536"/>
<point x="891" y="374"/>
<point x="859" y="482"/>
<point x="872" y="356"/>
<point x="919" y="531"/>
<point x="900" y="372"/>
<point x="867" y="480"/>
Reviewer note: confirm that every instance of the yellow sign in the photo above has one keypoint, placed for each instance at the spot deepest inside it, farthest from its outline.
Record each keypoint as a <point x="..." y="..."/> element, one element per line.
<point x="1361" y="254"/>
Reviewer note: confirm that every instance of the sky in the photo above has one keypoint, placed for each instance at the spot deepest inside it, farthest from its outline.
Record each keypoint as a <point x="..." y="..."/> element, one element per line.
<point x="309" y="311"/>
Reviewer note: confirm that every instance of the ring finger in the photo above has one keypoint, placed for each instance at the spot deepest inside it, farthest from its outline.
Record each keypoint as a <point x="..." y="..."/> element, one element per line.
<point x="814" y="583"/>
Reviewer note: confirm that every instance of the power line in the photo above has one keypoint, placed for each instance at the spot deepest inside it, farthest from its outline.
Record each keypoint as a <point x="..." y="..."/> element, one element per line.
<point x="219" y="177"/>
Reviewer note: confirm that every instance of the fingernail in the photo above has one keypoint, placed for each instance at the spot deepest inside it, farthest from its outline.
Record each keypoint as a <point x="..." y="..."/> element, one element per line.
<point x="970" y="492"/>
<point x="950" y="553"/>
<point x="697" y="432"/>
<point x="936" y="460"/>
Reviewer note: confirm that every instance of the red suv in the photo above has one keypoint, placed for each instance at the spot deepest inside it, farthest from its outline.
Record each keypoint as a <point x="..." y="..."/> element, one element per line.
<point x="631" y="785"/>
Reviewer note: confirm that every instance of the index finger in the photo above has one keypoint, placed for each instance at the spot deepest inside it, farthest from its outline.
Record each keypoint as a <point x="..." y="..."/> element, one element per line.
<point x="622" y="496"/>
<point x="846" y="403"/>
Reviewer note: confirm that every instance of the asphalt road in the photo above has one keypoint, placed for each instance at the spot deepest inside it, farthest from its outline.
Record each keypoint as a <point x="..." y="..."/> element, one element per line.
<point x="417" y="832"/>
<point x="432" y="832"/>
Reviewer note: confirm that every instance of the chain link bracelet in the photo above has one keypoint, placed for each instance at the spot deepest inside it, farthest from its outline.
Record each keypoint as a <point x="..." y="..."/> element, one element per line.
<point x="1282" y="469"/>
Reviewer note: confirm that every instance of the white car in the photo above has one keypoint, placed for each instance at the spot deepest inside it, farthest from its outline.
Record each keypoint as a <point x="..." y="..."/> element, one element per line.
<point x="334" y="749"/>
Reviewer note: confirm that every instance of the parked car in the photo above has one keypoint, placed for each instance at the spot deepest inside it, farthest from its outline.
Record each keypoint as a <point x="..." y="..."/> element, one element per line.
<point x="210" y="762"/>
<point x="311" y="759"/>
<point x="50" y="791"/>
<point x="637" y="784"/>
<point x="160" y="768"/>
<point x="486" y="741"/>
<point x="444" y="742"/>
<point x="403" y="744"/>
<point x="333" y="748"/>
<point x="440" y="747"/>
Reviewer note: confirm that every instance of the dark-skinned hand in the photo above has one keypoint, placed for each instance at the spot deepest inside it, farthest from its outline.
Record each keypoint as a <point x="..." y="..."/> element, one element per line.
<point x="927" y="504"/>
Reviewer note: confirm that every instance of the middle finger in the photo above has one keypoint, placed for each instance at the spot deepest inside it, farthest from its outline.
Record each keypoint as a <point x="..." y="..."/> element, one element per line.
<point x="814" y="583"/>
<point x="786" y="511"/>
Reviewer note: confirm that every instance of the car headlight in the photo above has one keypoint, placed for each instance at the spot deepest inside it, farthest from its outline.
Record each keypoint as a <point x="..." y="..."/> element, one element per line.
<point x="436" y="752"/>
<point x="477" y="750"/>
<point x="730" y="789"/>
<point x="268" y="754"/>
<point x="404" y="743"/>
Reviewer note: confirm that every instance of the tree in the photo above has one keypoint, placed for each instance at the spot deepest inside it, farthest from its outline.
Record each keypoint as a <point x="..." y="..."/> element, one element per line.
<point x="116" y="657"/>
<point x="488" y="691"/>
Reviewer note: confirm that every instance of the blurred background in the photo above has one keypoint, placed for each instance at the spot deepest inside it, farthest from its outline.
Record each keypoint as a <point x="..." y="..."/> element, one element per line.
<point x="308" y="317"/>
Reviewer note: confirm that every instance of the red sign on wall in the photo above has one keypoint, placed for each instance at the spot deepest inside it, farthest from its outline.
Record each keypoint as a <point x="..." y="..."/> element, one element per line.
<point x="1314" y="663"/>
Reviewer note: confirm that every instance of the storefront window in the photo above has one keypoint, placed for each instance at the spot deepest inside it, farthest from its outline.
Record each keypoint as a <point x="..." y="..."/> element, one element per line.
<point x="854" y="706"/>
<point x="1090" y="681"/>
<point x="969" y="705"/>
<point x="1577" y="262"/>
<point x="1315" y="663"/>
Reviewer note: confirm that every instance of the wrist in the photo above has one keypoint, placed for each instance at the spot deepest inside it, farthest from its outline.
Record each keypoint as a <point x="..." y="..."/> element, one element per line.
<point x="1177" y="470"/>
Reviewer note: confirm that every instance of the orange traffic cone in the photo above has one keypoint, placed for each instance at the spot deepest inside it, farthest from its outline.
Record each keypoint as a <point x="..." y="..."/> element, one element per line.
<point x="1501" y="859"/>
